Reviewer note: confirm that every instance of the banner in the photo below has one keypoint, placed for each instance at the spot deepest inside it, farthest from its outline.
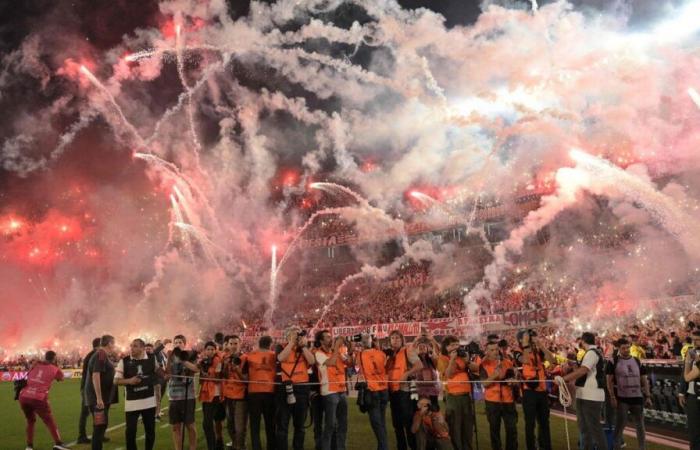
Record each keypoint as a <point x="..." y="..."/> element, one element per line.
<point x="12" y="375"/>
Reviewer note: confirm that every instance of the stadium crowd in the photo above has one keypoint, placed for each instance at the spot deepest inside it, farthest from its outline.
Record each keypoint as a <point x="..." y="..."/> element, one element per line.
<point x="240" y="387"/>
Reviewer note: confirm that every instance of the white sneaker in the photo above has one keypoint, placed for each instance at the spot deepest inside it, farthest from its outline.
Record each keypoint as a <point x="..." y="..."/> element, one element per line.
<point x="29" y="448"/>
<point x="60" y="447"/>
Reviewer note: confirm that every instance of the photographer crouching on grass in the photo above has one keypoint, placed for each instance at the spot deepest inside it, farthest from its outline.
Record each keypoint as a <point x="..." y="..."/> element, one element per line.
<point x="138" y="373"/>
<point x="179" y="371"/>
<point x="293" y="363"/>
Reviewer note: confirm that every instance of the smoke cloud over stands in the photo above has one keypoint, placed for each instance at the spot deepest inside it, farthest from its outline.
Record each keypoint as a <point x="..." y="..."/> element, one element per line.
<point x="148" y="164"/>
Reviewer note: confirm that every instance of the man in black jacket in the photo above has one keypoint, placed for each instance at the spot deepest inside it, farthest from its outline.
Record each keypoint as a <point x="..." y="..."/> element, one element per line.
<point x="138" y="372"/>
<point x="84" y="411"/>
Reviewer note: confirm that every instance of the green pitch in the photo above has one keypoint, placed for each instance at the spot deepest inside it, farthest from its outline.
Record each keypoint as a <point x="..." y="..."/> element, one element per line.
<point x="65" y="403"/>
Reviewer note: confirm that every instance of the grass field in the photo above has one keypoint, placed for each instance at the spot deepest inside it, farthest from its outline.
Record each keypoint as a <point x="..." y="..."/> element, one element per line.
<point x="64" y="400"/>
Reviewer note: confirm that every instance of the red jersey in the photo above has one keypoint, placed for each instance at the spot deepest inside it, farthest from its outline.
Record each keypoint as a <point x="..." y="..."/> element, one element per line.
<point x="39" y="381"/>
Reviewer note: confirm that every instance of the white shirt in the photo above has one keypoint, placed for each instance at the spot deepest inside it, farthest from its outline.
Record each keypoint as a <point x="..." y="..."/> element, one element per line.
<point x="134" y="405"/>
<point x="321" y="359"/>
<point x="590" y="390"/>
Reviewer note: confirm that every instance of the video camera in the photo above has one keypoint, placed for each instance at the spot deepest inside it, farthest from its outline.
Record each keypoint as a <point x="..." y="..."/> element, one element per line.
<point x="184" y="355"/>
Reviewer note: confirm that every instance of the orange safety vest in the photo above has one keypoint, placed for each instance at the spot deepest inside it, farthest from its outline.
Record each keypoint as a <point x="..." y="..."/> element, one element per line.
<point x="373" y="368"/>
<point x="208" y="388"/>
<point x="460" y="376"/>
<point x="295" y="368"/>
<point x="260" y="365"/>
<point x="233" y="388"/>
<point x="336" y="374"/>
<point x="533" y="369"/>
<point x="396" y="366"/>
<point x="497" y="392"/>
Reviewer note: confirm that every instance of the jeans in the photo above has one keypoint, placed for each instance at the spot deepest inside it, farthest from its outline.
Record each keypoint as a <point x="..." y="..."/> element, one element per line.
<point x="316" y="405"/>
<point x="692" y="410"/>
<point x="536" y="411"/>
<point x="335" y="412"/>
<point x="402" y="409"/>
<point x="377" y="418"/>
<point x="459" y="416"/>
<point x="296" y="412"/>
<point x="236" y="419"/>
<point x="637" y="413"/>
<point x="149" y="425"/>
<point x="506" y="412"/>
<point x="588" y="414"/>
<point x="98" y="431"/>
<point x="262" y="404"/>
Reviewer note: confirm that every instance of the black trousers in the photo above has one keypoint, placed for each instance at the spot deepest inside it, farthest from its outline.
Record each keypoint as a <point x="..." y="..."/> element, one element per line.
<point x="214" y="411"/>
<point x="98" y="431"/>
<point x="402" y="409"/>
<point x="82" y="421"/>
<point x="692" y="410"/>
<point x="296" y="412"/>
<point x="148" y="416"/>
<point x="506" y="412"/>
<point x="536" y="411"/>
<point x="262" y="405"/>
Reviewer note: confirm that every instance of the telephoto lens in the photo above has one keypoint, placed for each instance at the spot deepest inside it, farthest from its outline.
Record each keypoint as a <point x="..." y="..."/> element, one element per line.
<point x="289" y="389"/>
<point x="413" y="390"/>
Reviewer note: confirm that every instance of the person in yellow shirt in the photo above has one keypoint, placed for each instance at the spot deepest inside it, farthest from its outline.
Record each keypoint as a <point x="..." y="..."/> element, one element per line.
<point x="636" y="350"/>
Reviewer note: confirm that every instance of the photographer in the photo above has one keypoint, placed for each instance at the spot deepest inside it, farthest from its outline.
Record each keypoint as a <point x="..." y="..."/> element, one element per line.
<point x="213" y="409"/>
<point x="259" y="365"/>
<point x="429" y="427"/>
<point x="34" y="398"/>
<point x="235" y="392"/>
<point x="402" y="366"/>
<point x="374" y="395"/>
<point x="428" y="383"/>
<point x="454" y="365"/>
<point x="137" y="372"/>
<point x="179" y="373"/>
<point x="294" y="361"/>
<point x="99" y="389"/>
<point x="499" y="396"/>
<point x="691" y="402"/>
<point x="333" y="358"/>
<point x="535" y="400"/>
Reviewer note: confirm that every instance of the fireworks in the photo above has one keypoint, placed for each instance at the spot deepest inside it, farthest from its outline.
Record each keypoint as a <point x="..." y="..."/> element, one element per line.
<point x="230" y="122"/>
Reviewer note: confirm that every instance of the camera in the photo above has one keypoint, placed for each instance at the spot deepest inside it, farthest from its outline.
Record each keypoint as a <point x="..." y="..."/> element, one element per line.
<point x="289" y="390"/>
<point x="205" y="364"/>
<point x="462" y="351"/>
<point x="355" y="338"/>
<point x="235" y="360"/>
<point x="474" y="349"/>
<point x="184" y="355"/>
<point x="389" y="352"/>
